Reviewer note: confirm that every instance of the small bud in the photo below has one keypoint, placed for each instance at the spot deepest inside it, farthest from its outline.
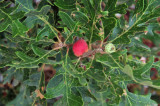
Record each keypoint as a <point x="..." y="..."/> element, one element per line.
<point x="118" y="15"/>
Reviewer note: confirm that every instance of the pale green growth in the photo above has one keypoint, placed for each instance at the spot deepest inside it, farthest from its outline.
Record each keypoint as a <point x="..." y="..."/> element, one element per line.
<point x="110" y="48"/>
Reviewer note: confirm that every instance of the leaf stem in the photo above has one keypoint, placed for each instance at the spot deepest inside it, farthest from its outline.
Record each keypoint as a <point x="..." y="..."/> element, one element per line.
<point x="70" y="34"/>
<point x="109" y="81"/>
<point x="90" y="41"/>
<point x="51" y="27"/>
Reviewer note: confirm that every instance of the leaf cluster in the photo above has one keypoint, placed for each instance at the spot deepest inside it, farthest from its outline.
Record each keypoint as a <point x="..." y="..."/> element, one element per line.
<point x="34" y="36"/>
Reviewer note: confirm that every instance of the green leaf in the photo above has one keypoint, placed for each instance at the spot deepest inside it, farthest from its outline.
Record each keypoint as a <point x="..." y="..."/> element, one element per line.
<point x="128" y="70"/>
<point x="25" y="5"/>
<point x="149" y="12"/>
<point x="123" y="38"/>
<point x="156" y="64"/>
<point x="23" y="98"/>
<point x="18" y="28"/>
<point x="13" y="73"/>
<point x="99" y="75"/>
<point x="97" y="6"/>
<point x="44" y="10"/>
<point x="41" y="52"/>
<point x="8" y="18"/>
<point x="72" y="100"/>
<point x="112" y="8"/>
<point x="85" y="93"/>
<point x="8" y="54"/>
<point x="24" y="57"/>
<point x="4" y="4"/>
<point x="108" y="25"/>
<point x="19" y="65"/>
<point x="31" y="21"/>
<point x="111" y="5"/>
<point x="65" y="4"/>
<point x="42" y="33"/>
<point x="109" y="93"/>
<point x="57" y="86"/>
<point x="89" y="8"/>
<point x="121" y="9"/>
<point x="80" y="17"/>
<point x="152" y="27"/>
<point x="141" y="71"/>
<point x="33" y="62"/>
<point x="136" y="100"/>
<point x="106" y="60"/>
<point x="111" y="60"/>
<point x="33" y="79"/>
<point x="139" y="48"/>
<point x="33" y="17"/>
<point x="67" y="20"/>
<point x="139" y="6"/>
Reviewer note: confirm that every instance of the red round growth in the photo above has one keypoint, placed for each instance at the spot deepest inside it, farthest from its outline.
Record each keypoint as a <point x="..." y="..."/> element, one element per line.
<point x="80" y="47"/>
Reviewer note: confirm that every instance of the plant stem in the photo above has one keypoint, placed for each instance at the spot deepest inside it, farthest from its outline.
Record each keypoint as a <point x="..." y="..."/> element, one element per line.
<point x="90" y="41"/>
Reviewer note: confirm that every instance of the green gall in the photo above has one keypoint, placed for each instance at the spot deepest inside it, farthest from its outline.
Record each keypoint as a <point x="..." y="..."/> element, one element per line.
<point x="110" y="48"/>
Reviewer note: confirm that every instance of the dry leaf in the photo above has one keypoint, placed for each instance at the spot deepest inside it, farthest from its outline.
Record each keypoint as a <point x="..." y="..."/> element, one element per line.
<point x="39" y="94"/>
<point x="42" y="88"/>
<point x="1" y="85"/>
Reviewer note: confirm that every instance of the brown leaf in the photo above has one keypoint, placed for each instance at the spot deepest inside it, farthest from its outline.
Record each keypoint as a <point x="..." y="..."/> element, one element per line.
<point x="39" y="94"/>
<point x="1" y="85"/>
<point x="42" y="88"/>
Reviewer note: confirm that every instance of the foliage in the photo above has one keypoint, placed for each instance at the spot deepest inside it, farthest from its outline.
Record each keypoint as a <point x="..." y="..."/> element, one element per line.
<point x="34" y="36"/>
